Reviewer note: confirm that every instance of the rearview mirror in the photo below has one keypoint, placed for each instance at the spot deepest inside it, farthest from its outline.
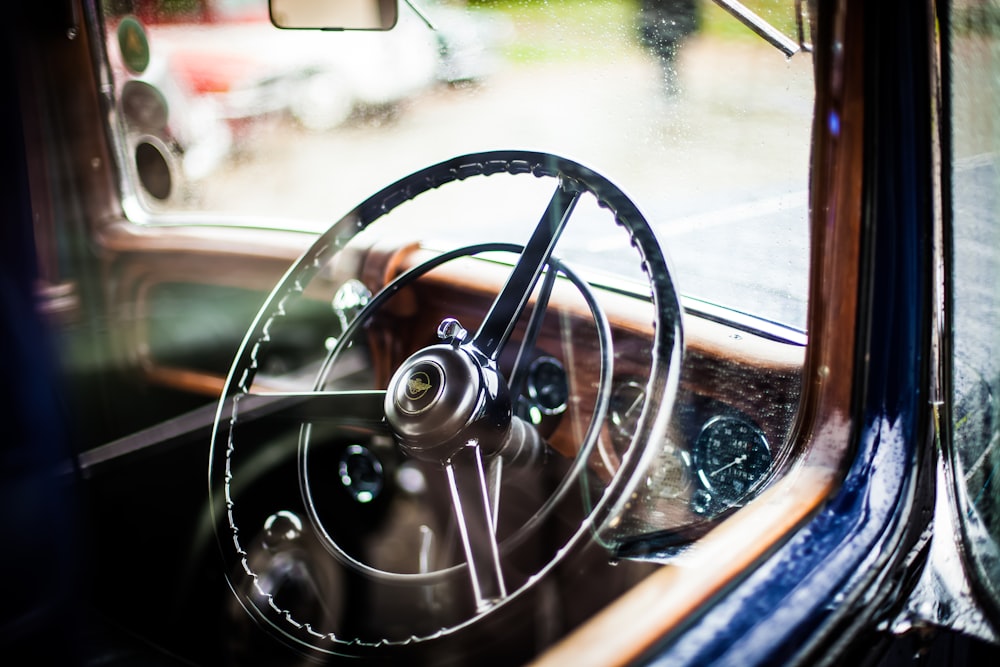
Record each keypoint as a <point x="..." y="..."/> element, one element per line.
<point x="334" y="14"/>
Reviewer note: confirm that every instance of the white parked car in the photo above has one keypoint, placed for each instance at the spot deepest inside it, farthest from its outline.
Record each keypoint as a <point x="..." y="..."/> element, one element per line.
<point x="236" y="57"/>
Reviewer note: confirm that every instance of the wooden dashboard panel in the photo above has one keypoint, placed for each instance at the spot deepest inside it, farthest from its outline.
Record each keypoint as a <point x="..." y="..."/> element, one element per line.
<point x="727" y="371"/>
<point x="750" y="373"/>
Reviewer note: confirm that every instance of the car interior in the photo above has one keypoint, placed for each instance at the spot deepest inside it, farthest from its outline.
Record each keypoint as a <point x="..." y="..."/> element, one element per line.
<point x="416" y="434"/>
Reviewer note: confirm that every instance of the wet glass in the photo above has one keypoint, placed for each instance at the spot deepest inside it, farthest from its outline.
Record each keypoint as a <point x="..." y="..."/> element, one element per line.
<point x="704" y="124"/>
<point x="975" y="96"/>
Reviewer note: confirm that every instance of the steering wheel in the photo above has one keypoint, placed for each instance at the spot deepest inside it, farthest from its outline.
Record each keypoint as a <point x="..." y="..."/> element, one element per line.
<point x="449" y="412"/>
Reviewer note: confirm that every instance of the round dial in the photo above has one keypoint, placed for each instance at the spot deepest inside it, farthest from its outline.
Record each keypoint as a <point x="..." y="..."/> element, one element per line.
<point x="361" y="473"/>
<point x="625" y="409"/>
<point x="548" y="387"/>
<point x="731" y="456"/>
<point x="673" y="473"/>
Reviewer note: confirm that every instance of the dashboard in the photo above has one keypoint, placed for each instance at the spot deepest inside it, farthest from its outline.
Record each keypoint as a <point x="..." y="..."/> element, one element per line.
<point x="722" y="445"/>
<point x="735" y="402"/>
<point x="626" y="444"/>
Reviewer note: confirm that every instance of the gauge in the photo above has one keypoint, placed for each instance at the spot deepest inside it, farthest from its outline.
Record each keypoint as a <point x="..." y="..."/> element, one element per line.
<point x="548" y="388"/>
<point x="625" y="408"/>
<point x="361" y="473"/>
<point x="672" y="473"/>
<point x="731" y="456"/>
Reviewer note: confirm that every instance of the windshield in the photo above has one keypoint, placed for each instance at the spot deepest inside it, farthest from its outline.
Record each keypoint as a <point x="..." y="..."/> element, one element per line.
<point x="704" y="124"/>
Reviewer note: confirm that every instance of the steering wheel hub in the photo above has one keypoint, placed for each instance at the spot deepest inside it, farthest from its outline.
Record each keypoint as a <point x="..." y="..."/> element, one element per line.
<point x="422" y="389"/>
<point x="444" y="397"/>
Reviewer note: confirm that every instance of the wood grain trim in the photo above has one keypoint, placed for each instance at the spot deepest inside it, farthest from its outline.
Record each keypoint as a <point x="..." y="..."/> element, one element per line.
<point x="124" y="237"/>
<point x="622" y="632"/>
<point x="138" y="259"/>
<point x="197" y="382"/>
<point x="704" y="339"/>
<point x="182" y="379"/>
<point x="742" y="370"/>
<point x="718" y="358"/>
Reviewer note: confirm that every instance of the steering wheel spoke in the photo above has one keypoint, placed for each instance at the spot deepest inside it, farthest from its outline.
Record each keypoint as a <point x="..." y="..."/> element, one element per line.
<point x="472" y="502"/>
<point x="354" y="407"/>
<point x="522" y="362"/>
<point x="510" y="302"/>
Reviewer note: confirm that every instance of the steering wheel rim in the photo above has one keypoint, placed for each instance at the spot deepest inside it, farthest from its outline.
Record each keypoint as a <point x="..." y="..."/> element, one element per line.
<point x="573" y="179"/>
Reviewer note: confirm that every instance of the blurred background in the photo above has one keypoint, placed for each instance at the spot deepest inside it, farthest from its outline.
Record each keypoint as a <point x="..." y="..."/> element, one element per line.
<point x="701" y="121"/>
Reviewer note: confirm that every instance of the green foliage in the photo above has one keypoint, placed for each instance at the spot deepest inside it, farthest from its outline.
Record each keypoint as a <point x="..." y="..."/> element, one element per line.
<point x="717" y="22"/>
<point x="562" y="30"/>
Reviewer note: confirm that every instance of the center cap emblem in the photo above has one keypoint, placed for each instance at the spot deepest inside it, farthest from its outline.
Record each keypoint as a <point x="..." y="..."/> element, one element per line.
<point x="418" y="385"/>
<point x="419" y="388"/>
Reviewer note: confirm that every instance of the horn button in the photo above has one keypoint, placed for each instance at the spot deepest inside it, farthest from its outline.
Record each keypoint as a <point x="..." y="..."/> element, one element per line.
<point x="444" y="398"/>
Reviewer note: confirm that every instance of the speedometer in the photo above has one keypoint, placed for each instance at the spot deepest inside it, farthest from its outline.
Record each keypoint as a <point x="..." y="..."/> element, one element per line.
<point x="731" y="457"/>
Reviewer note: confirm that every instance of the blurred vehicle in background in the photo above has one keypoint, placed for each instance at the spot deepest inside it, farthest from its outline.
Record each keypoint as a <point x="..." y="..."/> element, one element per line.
<point x="236" y="57"/>
<point x="217" y="67"/>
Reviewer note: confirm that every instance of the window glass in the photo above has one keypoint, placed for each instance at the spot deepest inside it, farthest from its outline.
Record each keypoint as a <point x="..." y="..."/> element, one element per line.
<point x="702" y="122"/>
<point x="975" y="96"/>
<point x="365" y="486"/>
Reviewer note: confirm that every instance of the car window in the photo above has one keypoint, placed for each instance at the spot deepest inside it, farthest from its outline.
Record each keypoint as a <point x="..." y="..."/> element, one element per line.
<point x="423" y="410"/>
<point x="703" y="123"/>
<point x="975" y="206"/>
